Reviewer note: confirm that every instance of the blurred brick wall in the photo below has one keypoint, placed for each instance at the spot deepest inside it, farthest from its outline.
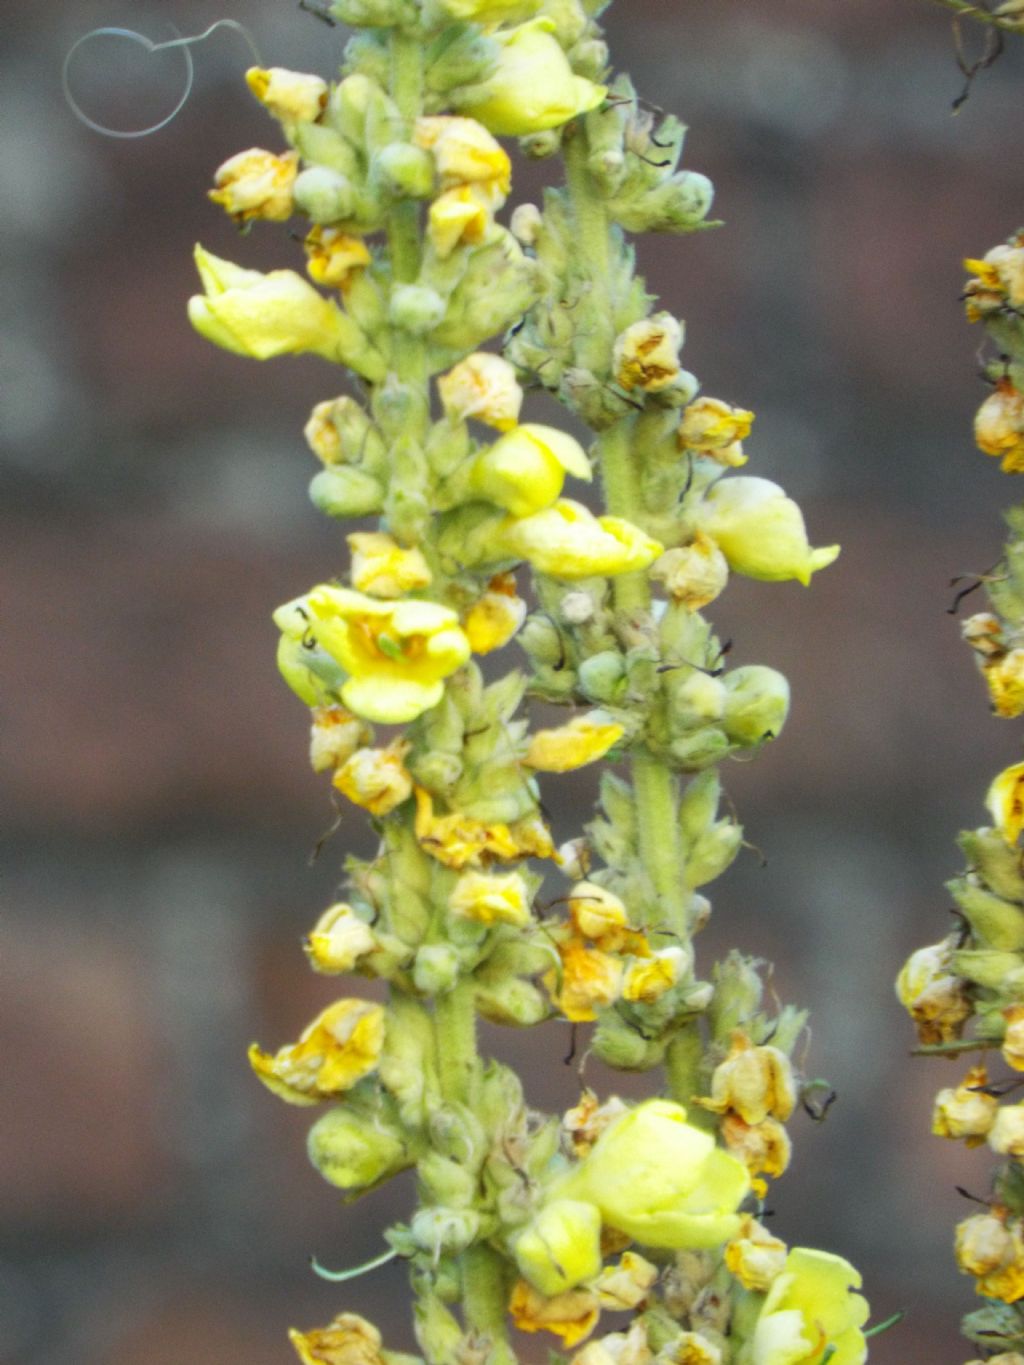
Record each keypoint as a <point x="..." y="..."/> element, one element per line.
<point x="156" y="1206"/>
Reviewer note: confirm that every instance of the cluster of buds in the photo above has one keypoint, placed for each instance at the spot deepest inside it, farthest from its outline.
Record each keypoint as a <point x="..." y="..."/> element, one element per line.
<point x="966" y="993"/>
<point x="399" y="174"/>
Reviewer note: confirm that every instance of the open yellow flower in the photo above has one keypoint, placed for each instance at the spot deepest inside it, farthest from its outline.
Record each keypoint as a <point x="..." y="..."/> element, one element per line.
<point x="760" y="531"/>
<point x="383" y="568"/>
<point x="458" y="840"/>
<point x="524" y="470"/>
<point x="396" y="654"/>
<point x="348" y="1340"/>
<point x="338" y="940"/>
<point x="376" y="779"/>
<point x="583" y="740"/>
<point x="339" y="1048"/>
<point x="568" y="541"/>
<point x="491" y="898"/>
<point x="495" y="617"/>
<point x="682" y="1191"/>
<point x="483" y="386"/>
<point x="332" y="256"/>
<point x="649" y="978"/>
<point x="590" y="979"/>
<point x="465" y="153"/>
<point x="810" y="1308"/>
<point x="717" y="429"/>
<point x="571" y="1316"/>
<point x="1005" y="802"/>
<point x="459" y="217"/>
<point x="256" y="184"/>
<point x="290" y="96"/>
<point x="646" y="354"/>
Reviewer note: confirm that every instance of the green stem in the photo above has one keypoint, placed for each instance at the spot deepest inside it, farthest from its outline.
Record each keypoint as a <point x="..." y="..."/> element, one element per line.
<point x="484" y="1297"/>
<point x="683" y="1074"/>
<point x="657" y="802"/>
<point x="455" y="1034"/>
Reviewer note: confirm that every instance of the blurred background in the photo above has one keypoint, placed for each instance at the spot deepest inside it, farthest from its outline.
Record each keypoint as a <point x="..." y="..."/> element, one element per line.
<point x="155" y="1203"/>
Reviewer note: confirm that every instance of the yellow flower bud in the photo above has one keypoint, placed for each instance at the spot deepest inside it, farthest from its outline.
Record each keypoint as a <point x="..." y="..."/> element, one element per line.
<point x="459" y="217"/>
<point x="693" y="574"/>
<point x="992" y="1250"/>
<point x="334" y="736"/>
<point x="465" y="153"/>
<point x="383" y="568"/>
<point x="482" y="386"/>
<point x="560" y="1247"/>
<point x="493" y="620"/>
<point x="598" y="914"/>
<point x="753" y="1082"/>
<point x="964" y="1112"/>
<point x="353" y="1150"/>
<point x="348" y="1340"/>
<point x="491" y="899"/>
<point x="583" y="740"/>
<point x="571" y="1316"/>
<point x="1005" y="802"/>
<point x="338" y="940"/>
<point x="760" y="531"/>
<point x="532" y="86"/>
<point x="755" y="1257"/>
<point x="589" y="980"/>
<point x="681" y="1190"/>
<point x="999" y="426"/>
<point x="1006" y="1136"/>
<point x="339" y="1048"/>
<point x="524" y="470"/>
<point x="395" y="653"/>
<point x="935" y="997"/>
<point x="290" y="96"/>
<point x="568" y="541"/>
<point x="809" y="1308"/>
<point x="376" y="779"/>
<point x="1004" y="674"/>
<point x="646" y="354"/>
<point x="625" y="1286"/>
<point x="764" y="1148"/>
<point x="693" y="1348"/>
<point x="648" y="979"/>
<point x="1013" y="1038"/>
<point x="711" y="427"/>
<point x="256" y="184"/>
<point x="332" y="256"/>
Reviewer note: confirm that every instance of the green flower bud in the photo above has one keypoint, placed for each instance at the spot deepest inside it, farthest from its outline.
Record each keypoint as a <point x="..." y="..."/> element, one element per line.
<point x="343" y="491"/>
<point x="995" y="922"/>
<point x="466" y="59"/>
<point x="738" y="991"/>
<point x="561" y="1247"/>
<point x="757" y="704"/>
<point x="321" y="145"/>
<point x="435" y="968"/>
<point x="712" y="853"/>
<point x="406" y="1066"/>
<point x="355" y="1151"/>
<point x="602" y="677"/>
<point x="445" y="1181"/>
<point x="679" y="204"/>
<point x="438" y="772"/>
<point x="540" y="146"/>
<point x="514" y="1003"/>
<point x="416" y="308"/>
<point x="374" y="13"/>
<point x="326" y="196"/>
<point x="618" y="1044"/>
<point x="497" y="287"/>
<point x="699" y="805"/>
<point x="405" y="170"/>
<point x="442" y="1229"/>
<point x="999" y="865"/>
<point x="438" y="1331"/>
<point x="699" y="749"/>
<point x="694" y="699"/>
<point x="542" y="640"/>
<point x="998" y="971"/>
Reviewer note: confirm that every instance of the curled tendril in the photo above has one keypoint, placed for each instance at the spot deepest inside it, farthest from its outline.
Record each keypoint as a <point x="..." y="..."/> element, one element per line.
<point x="147" y="43"/>
<point x="336" y="1276"/>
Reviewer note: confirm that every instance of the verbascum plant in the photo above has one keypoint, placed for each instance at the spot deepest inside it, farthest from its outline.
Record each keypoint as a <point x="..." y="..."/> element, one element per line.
<point x="525" y="1221"/>
<point x="966" y="993"/>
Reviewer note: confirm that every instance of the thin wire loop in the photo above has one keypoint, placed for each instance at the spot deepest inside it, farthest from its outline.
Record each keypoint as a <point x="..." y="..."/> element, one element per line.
<point x="150" y="47"/>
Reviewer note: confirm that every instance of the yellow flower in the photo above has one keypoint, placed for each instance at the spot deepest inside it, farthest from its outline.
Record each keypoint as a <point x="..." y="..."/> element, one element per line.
<point x="992" y="1250"/>
<point x="754" y="1082"/>
<point x="965" y="1112"/>
<point x="760" y="531"/>
<point x="681" y="1192"/>
<point x="493" y="620"/>
<point x="331" y="256"/>
<point x="567" y="541"/>
<point x="693" y="1348"/>
<point x="935" y="997"/>
<point x="491" y="899"/>
<point x="583" y="740"/>
<point x="999" y="426"/>
<point x="465" y="153"/>
<point x="755" y="1257"/>
<point x="339" y="1048"/>
<point x="383" y="568"/>
<point x="984" y="633"/>
<point x="1006" y="1136"/>
<point x="1005" y="802"/>
<point x="395" y="653"/>
<point x="459" y="841"/>
<point x="524" y="470"/>
<point x="256" y="184"/>
<point x="764" y="1148"/>
<point x="290" y="96"/>
<point x="338" y="940"/>
<point x="600" y="915"/>
<point x="626" y="1285"/>
<point x="1000" y="279"/>
<point x="714" y="428"/>
<point x="376" y="779"/>
<point x="571" y="1316"/>
<point x="532" y="87"/>
<point x="348" y="1340"/>
<point x="334" y="736"/>
<point x="261" y="315"/>
<point x="586" y="1121"/>
<point x="809" y="1308"/>
<point x="459" y="217"/>
<point x="693" y="574"/>
<point x="589" y="980"/>
<point x="648" y="980"/>
<point x="1013" y="1038"/>
<point x="646" y="354"/>
<point x="482" y="386"/>
<point x="560" y="1247"/>
<point x="1004" y="674"/>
